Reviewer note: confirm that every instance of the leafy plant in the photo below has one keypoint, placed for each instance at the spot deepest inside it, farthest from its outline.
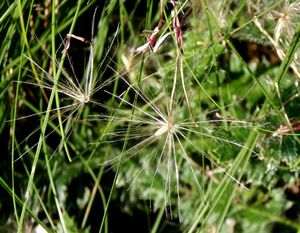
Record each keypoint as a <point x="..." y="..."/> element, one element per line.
<point x="179" y="116"/>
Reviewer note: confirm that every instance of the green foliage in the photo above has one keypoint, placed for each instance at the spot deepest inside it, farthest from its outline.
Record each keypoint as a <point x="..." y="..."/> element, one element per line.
<point x="193" y="127"/>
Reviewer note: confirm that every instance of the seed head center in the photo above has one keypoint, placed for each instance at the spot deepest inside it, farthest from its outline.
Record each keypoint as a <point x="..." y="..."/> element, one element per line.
<point x="166" y="127"/>
<point x="170" y="126"/>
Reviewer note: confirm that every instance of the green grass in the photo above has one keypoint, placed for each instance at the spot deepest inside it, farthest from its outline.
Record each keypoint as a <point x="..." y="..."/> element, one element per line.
<point x="191" y="127"/>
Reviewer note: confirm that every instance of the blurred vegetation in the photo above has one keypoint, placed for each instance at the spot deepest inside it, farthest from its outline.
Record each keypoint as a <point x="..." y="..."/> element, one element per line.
<point x="149" y="116"/>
